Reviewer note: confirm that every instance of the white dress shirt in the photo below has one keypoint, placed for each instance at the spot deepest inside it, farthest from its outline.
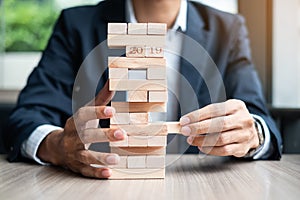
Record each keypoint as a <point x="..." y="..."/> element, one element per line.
<point x="30" y="146"/>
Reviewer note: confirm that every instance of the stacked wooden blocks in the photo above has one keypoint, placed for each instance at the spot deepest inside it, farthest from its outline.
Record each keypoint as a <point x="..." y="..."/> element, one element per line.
<point x="142" y="74"/>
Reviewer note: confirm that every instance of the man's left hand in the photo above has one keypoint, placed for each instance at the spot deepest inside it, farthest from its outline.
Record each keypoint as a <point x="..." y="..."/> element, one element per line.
<point x="221" y="129"/>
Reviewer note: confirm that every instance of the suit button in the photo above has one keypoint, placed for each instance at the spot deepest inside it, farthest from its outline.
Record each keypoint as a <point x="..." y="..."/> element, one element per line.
<point x="77" y="88"/>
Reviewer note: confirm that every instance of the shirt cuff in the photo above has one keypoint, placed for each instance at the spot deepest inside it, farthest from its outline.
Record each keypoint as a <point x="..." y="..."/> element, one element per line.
<point x="30" y="146"/>
<point x="264" y="148"/>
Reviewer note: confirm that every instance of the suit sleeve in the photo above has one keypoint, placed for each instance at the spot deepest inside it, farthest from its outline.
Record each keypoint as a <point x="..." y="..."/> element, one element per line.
<point x="46" y="99"/>
<point x="242" y="82"/>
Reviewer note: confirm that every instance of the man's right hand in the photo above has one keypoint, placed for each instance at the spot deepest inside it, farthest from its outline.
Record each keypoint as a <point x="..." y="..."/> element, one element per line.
<point x="67" y="147"/>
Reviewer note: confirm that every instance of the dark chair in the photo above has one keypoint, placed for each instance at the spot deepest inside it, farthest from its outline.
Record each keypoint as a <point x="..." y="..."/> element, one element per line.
<point x="5" y="110"/>
<point x="288" y="120"/>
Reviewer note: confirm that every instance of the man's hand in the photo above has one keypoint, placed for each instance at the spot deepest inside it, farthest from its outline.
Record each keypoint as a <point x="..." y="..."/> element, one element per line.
<point x="67" y="147"/>
<point x="221" y="129"/>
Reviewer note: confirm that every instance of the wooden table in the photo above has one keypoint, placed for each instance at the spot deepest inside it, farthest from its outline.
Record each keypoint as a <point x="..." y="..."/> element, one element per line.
<point x="187" y="177"/>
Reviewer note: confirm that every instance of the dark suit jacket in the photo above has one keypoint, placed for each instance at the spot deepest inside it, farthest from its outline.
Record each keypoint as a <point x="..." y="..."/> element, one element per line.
<point x="47" y="97"/>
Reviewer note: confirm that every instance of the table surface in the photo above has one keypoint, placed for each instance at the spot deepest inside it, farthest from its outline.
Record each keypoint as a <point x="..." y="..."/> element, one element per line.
<point x="187" y="177"/>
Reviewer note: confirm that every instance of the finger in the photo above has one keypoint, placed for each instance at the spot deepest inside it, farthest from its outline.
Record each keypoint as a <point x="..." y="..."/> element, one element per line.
<point x="87" y="113"/>
<point x="93" y="135"/>
<point x="88" y="157"/>
<point x="94" y="172"/>
<point x="237" y="150"/>
<point x="212" y="111"/>
<point x="218" y="139"/>
<point x="215" y="125"/>
<point x="103" y="97"/>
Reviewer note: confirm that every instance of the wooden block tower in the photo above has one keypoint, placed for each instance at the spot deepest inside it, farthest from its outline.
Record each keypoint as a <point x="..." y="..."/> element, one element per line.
<point x="142" y="74"/>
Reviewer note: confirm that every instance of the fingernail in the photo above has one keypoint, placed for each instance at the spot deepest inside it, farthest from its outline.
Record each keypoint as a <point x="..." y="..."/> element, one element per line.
<point x="119" y="134"/>
<point x="190" y="140"/>
<point x="109" y="111"/>
<point x="112" y="159"/>
<point x="186" y="131"/>
<point x="106" y="173"/>
<point x="184" y="120"/>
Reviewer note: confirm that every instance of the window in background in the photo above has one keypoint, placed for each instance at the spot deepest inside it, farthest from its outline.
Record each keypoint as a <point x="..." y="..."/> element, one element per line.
<point x="29" y="24"/>
<point x="1" y="40"/>
<point x="286" y="53"/>
<point x="225" y="5"/>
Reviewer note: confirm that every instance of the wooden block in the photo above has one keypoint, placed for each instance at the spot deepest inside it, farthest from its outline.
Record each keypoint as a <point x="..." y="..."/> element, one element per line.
<point x="122" y="163"/>
<point x="120" y="118"/>
<point x="137" y="28"/>
<point x="154" y="52"/>
<point x="117" y="28"/>
<point x="139" y="118"/>
<point x="127" y="151"/>
<point x="137" y="141"/>
<point x="157" y="73"/>
<point x="123" y="143"/>
<point x="137" y="174"/>
<point x="173" y="127"/>
<point x="157" y="29"/>
<point x="135" y="51"/>
<point x="158" y="96"/>
<point x="133" y="63"/>
<point x="121" y="41"/>
<point x="156" y="141"/>
<point x="137" y="96"/>
<point x="155" y="162"/>
<point x="152" y="129"/>
<point x="136" y="162"/>
<point x="125" y="85"/>
<point x="137" y="74"/>
<point x="118" y="73"/>
<point x="139" y="107"/>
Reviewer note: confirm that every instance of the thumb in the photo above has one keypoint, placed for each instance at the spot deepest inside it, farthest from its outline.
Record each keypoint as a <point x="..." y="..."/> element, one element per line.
<point x="103" y="97"/>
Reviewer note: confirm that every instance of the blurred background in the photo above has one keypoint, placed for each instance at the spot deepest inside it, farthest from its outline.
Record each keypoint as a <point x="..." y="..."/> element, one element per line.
<point x="274" y="30"/>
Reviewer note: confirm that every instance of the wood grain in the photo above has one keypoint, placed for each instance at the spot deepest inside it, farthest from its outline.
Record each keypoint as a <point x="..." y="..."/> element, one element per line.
<point x="187" y="177"/>
<point x="139" y="107"/>
<point x="133" y="63"/>
<point x="137" y="85"/>
<point x="121" y="41"/>
<point x="150" y="129"/>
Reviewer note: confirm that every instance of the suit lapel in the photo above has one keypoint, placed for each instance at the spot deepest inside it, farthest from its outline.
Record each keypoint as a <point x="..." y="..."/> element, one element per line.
<point x="191" y="80"/>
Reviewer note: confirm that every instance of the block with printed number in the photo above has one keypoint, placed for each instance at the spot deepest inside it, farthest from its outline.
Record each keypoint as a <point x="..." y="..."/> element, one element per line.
<point x="117" y="28"/>
<point x="154" y="52"/>
<point x="135" y="51"/>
